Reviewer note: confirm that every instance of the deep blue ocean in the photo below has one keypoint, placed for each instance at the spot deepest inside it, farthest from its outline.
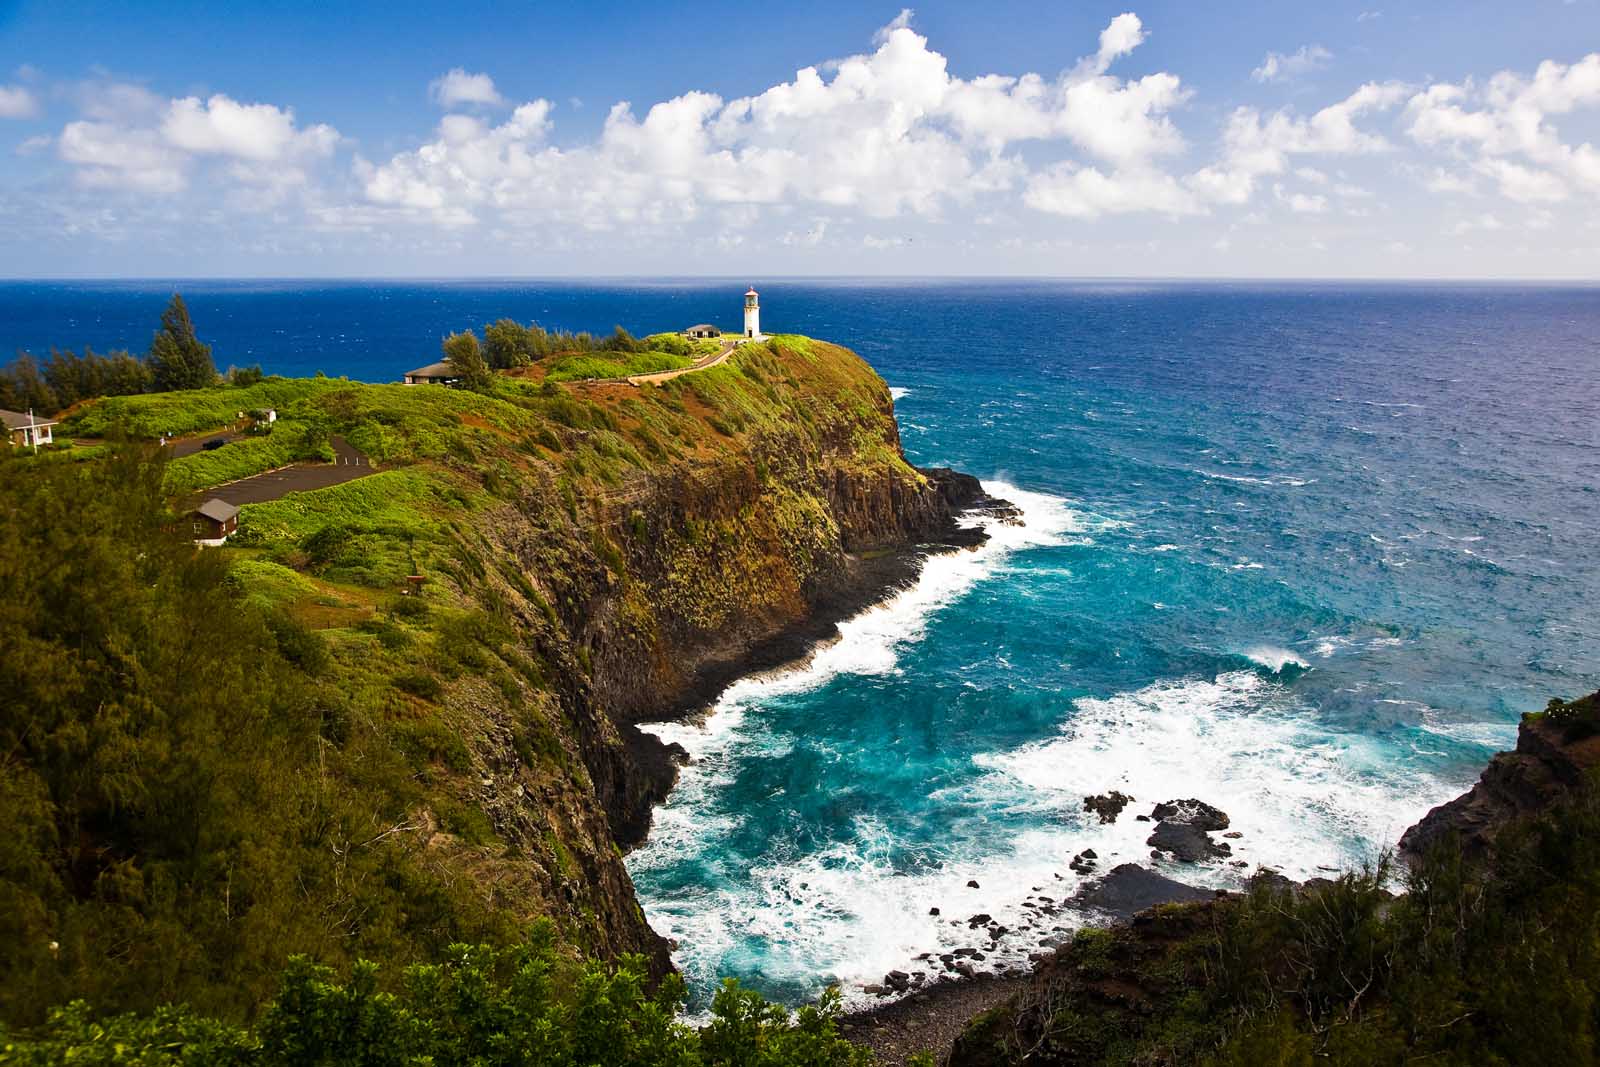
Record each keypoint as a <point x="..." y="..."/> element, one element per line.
<point x="1303" y="551"/>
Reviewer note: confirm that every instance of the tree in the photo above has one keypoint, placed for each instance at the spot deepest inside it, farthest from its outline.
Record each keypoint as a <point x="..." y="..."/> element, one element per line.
<point x="507" y="343"/>
<point x="620" y="341"/>
<point x="178" y="359"/>
<point x="243" y="376"/>
<point x="24" y="387"/>
<point x="465" y="357"/>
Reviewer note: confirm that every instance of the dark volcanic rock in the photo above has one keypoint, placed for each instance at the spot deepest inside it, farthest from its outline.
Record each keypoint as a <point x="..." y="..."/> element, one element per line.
<point x="1185" y="843"/>
<point x="1194" y="813"/>
<point x="1129" y="888"/>
<point x="1547" y="765"/>
<point x="1107" y="805"/>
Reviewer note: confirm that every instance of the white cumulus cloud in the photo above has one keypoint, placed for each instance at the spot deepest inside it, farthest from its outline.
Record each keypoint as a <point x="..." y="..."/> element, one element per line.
<point x="885" y="133"/>
<point x="458" y="87"/>
<point x="134" y="142"/>
<point x="260" y="132"/>
<point x="1506" y="126"/>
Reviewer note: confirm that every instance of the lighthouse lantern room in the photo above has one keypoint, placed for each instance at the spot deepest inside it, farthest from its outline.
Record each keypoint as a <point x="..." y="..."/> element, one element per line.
<point x="752" y="315"/>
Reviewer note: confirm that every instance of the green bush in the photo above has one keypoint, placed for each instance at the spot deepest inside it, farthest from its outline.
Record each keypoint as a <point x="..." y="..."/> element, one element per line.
<point x="524" y="1006"/>
<point x="419" y="684"/>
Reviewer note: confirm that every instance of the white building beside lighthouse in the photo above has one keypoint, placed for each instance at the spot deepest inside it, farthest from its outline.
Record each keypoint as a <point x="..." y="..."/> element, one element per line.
<point x="752" y="316"/>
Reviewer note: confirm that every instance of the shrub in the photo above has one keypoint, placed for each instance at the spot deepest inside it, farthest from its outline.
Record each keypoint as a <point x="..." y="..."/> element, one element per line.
<point x="419" y="684"/>
<point x="298" y="643"/>
<point x="524" y="1005"/>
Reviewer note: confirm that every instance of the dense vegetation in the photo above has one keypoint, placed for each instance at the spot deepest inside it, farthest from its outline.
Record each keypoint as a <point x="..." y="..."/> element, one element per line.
<point x="185" y="798"/>
<point x="508" y="345"/>
<point x="524" y="1005"/>
<point x="178" y="360"/>
<point x="1472" y="965"/>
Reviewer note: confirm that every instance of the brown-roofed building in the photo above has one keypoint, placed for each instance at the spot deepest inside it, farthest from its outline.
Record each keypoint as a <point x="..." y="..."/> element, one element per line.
<point x="213" y="521"/>
<point x="440" y="373"/>
<point x="24" y="430"/>
<point x="702" y="331"/>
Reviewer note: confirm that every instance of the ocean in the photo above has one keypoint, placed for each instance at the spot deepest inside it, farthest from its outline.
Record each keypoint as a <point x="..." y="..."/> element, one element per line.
<point x="1303" y="551"/>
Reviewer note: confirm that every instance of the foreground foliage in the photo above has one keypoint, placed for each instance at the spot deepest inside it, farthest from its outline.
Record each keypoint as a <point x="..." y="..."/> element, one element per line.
<point x="184" y="802"/>
<point x="519" y="1006"/>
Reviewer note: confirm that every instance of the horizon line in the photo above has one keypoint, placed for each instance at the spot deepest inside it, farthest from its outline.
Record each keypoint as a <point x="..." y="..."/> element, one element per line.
<point x="1352" y="279"/>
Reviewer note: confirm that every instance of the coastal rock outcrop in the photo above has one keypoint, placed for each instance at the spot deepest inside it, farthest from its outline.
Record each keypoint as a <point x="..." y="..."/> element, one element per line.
<point x="1183" y="829"/>
<point x="1556" y="752"/>
<point x="782" y="505"/>
<point x="1107" y="805"/>
<point x="1129" y="888"/>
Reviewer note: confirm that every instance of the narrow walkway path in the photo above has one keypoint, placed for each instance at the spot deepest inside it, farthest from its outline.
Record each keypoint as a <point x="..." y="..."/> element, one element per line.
<point x="668" y="375"/>
<point x="349" y="463"/>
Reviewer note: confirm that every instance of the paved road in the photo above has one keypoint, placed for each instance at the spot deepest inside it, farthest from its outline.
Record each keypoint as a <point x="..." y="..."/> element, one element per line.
<point x="668" y="375"/>
<point x="188" y="446"/>
<point x="348" y="465"/>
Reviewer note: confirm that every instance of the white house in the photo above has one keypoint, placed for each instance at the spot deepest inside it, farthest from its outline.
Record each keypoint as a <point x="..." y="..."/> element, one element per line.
<point x="26" y="431"/>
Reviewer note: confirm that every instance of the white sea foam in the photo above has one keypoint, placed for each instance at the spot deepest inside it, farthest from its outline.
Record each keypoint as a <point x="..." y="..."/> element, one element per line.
<point x="1247" y="479"/>
<point x="1303" y="796"/>
<point x="870" y="643"/>
<point x="896" y="392"/>
<point x="1495" y="736"/>
<point x="1273" y="658"/>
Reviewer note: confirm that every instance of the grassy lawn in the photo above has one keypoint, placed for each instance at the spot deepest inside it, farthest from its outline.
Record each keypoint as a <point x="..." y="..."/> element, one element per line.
<point x="189" y="411"/>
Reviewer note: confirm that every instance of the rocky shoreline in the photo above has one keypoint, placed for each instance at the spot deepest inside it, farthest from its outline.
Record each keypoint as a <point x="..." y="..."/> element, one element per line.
<point x="926" y="1010"/>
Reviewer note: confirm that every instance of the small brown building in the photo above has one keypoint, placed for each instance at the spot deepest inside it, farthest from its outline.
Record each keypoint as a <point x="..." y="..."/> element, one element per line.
<point x="213" y="521"/>
<point x="702" y="331"/>
<point x="441" y="373"/>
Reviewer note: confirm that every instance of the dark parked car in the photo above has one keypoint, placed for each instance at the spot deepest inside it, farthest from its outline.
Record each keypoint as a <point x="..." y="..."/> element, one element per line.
<point x="214" y="444"/>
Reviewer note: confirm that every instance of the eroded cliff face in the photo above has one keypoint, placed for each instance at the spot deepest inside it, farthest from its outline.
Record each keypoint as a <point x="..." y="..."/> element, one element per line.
<point x="1557" y="751"/>
<point x="640" y="594"/>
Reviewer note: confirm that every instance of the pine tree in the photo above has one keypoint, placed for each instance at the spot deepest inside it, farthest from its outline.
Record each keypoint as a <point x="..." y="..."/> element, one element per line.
<point x="178" y="359"/>
<point x="465" y="357"/>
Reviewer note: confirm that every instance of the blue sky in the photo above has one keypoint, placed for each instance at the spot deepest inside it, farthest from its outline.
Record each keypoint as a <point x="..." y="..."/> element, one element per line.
<point x="1171" y="139"/>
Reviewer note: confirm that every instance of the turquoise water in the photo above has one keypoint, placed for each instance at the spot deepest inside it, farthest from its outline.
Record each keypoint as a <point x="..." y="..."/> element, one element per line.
<point x="1302" y="551"/>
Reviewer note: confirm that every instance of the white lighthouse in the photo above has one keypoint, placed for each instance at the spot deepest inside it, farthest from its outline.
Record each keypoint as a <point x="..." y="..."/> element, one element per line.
<point x="752" y="315"/>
